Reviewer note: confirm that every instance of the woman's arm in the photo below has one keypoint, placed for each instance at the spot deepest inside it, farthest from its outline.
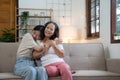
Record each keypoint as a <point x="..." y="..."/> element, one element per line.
<point x="59" y="52"/>
<point x="38" y="48"/>
<point x="38" y="54"/>
<point x="58" y="40"/>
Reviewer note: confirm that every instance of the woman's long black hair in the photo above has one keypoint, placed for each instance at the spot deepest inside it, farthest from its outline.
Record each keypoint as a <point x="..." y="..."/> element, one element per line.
<point x="56" y="32"/>
<point x="38" y="28"/>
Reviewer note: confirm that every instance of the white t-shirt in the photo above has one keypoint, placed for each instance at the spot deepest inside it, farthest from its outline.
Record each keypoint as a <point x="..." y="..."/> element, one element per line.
<point x="50" y="56"/>
<point x="26" y="46"/>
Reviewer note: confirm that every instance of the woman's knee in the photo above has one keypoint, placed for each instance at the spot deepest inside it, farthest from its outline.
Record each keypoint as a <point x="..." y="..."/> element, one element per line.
<point x="28" y="72"/>
<point x="31" y="70"/>
<point x="42" y="74"/>
<point x="31" y="73"/>
<point x="40" y="69"/>
<point x="52" y="71"/>
<point x="64" y="67"/>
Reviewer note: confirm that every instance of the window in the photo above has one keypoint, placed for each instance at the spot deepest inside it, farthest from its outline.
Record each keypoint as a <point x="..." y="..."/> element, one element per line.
<point x="93" y="18"/>
<point x="115" y="21"/>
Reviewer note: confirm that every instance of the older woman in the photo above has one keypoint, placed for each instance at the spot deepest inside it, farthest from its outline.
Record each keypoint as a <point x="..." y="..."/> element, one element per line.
<point x="52" y="53"/>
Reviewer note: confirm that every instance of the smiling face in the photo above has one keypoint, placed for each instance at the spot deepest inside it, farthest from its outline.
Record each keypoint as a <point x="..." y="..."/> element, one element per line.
<point x="49" y="30"/>
<point x="36" y="35"/>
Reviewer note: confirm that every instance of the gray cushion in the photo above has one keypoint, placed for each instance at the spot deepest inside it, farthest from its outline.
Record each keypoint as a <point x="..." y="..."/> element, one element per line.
<point x="7" y="56"/>
<point x="94" y="73"/>
<point x="8" y="76"/>
<point x="85" y="56"/>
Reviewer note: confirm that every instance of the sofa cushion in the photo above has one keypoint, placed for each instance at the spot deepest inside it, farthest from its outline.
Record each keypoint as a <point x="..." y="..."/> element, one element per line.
<point x="8" y="76"/>
<point x="94" y="73"/>
<point x="79" y="73"/>
<point x="7" y="56"/>
<point x="85" y="56"/>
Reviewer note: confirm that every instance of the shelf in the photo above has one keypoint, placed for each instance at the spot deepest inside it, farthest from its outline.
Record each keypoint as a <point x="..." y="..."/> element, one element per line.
<point x="36" y="16"/>
<point x="34" y="9"/>
<point x="24" y="28"/>
<point x="34" y="19"/>
<point x="27" y="25"/>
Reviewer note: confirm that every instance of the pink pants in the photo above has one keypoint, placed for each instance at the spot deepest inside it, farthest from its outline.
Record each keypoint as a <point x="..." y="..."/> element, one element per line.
<point x="59" y="68"/>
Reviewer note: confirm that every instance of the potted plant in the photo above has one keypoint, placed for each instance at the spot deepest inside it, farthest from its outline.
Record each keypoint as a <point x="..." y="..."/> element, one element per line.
<point x="23" y="18"/>
<point x="117" y="36"/>
<point x="23" y="21"/>
<point x="7" y="35"/>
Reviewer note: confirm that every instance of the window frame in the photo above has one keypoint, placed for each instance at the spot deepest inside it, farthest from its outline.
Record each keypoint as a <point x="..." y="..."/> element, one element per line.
<point x="113" y="21"/>
<point x="91" y="35"/>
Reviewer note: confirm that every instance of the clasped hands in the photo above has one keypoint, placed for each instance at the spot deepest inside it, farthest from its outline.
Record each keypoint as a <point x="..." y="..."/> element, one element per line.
<point x="51" y="43"/>
<point x="41" y="50"/>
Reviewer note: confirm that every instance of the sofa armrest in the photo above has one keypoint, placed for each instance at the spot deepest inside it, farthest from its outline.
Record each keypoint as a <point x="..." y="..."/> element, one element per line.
<point x="113" y="65"/>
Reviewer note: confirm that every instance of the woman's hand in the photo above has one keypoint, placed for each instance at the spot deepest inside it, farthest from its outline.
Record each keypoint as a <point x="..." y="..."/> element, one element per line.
<point x="58" y="40"/>
<point x="38" y="48"/>
<point x="38" y="54"/>
<point x="45" y="48"/>
<point x="59" y="52"/>
<point x="50" y="43"/>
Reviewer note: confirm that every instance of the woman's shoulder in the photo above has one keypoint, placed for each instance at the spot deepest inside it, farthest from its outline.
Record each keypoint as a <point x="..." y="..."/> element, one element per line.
<point x="27" y="35"/>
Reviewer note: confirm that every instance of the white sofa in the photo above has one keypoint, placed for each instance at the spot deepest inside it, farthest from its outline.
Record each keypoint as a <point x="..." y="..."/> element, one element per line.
<point x="87" y="59"/>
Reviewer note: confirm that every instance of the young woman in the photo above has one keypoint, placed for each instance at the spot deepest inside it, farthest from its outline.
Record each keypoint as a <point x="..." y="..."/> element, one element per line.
<point x="52" y="53"/>
<point x="25" y="66"/>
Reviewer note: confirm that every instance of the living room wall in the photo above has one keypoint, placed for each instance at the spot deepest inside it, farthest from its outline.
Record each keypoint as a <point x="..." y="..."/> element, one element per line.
<point x="105" y="28"/>
<point x="79" y="21"/>
<point x="111" y="50"/>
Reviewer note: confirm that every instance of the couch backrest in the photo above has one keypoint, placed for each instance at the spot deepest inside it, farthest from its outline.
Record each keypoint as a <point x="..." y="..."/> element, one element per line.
<point x="85" y="56"/>
<point x="7" y="56"/>
<point x="78" y="56"/>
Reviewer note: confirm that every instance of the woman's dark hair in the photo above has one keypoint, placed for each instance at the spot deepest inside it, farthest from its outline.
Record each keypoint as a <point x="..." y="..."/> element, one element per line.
<point x="55" y="34"/>
<point x="38" y="27"/>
